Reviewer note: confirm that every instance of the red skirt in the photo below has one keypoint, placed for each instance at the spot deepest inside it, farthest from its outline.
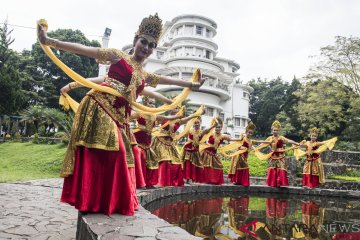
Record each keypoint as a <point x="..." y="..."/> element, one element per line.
<point x="151" y="175"/>
<point x="310" y="180"/>
<point x="212" y="176"/>
<point x="241" y="177"/>
<point x="170" y="174"/>
<point x="276" y="177"/>
<point x="192" y="172"/>
<point x="139" y="173"/>
<point x="101" y="182"/>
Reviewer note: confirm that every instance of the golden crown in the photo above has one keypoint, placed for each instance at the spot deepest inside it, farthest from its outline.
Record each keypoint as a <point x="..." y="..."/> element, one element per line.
<point x="250" y="126"/>
<point x="150" y="28"/>
<point x="276" y="124"/>
<point x="314" y="130"/>
<point x="219" y="121"/>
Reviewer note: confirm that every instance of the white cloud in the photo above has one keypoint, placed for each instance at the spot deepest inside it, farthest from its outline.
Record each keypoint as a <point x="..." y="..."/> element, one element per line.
<point x="268" y="38"/>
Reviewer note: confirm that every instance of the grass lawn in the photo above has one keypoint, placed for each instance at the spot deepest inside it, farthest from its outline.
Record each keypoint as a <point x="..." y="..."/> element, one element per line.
<point x="346" y="178"/>
<point x="24" y="161"/>
<point x="257" y="167"/>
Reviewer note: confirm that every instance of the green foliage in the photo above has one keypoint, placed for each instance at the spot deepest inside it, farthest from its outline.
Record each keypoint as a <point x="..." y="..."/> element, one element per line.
<point x="339" y="61"/>
<point x="257" y="204"/>
<point x="257" y="167"/>
<point x="85" y="66"/>
<point x="346" y="146"/>
<point x="269" y="99"/>
<point x="11" y="98"/>
<point x="36" y="139"/>
<point x="24" y="161"/>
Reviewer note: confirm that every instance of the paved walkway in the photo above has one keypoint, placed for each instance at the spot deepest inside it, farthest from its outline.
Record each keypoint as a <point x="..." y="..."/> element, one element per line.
<point x="32" y="210"/>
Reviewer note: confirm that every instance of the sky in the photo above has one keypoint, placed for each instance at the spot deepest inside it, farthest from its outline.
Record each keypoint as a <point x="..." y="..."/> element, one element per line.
<point x="268" y="38"/>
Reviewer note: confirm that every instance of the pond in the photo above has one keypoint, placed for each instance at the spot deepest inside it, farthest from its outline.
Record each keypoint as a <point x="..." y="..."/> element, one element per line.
<point x="262" y="216"/>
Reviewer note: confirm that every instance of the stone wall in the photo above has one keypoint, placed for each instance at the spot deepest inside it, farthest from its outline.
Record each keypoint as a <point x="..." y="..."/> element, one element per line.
<point x="350" y="158"/>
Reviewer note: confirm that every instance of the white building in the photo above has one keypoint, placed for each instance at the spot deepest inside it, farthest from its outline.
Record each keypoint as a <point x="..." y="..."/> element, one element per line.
<point x="186" y="44"/>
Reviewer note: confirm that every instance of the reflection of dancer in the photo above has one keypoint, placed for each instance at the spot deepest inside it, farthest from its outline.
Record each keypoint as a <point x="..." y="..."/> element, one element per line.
<point x="238" y="213"/>
<point x="313" y="218"/>
<point x="208" y="225"/>
<point x="277" y="168"/>
<point x="99" y="153"/>
<point x="313" y="173"/>
<point x="275" y="215"/>
<point x="190" y="155"/>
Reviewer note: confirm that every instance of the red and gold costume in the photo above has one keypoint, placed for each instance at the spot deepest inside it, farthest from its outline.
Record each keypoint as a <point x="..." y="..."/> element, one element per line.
<point x="277" y="168"/>
<point x="238" y="212"/>
<point x="239" y="168"/>
<point x="170" y="173"/>
<point x="100" y="150"/>
<point x="275" y="216"/>
<point x="190" y="156"/>
<point x="313" y="218"/>
<point x="213" y="169"/>
<point x="313" y="172"/>
<point x="149" y="163"/>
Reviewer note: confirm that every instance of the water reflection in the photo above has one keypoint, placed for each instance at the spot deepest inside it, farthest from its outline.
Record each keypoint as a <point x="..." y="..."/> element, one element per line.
<point x="264" y="218"/>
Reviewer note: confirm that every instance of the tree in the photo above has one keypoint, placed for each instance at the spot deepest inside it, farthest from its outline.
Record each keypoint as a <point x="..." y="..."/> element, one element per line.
<point x="50" y="73"/>
<point x="268" y="99"/>
<point x="11" y="97"/>
<point x="324" y="104"/>
<point x="340" y="61"/>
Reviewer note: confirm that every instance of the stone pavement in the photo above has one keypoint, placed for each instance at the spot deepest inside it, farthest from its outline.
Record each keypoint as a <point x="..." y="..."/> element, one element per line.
<point x="32" y="210"/>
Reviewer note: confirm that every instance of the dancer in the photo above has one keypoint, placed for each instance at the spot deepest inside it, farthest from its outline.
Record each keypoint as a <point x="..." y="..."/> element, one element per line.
<point x="145" y="124"/>
<point x="277" y="167"/>
<point x="239" y="168"/>
<point x="190" y="155"/>
<point x="99" y="152"/>
<point x="313" y="172"/>
<point x="213" y="168"/>
<point x="165" y="147"/>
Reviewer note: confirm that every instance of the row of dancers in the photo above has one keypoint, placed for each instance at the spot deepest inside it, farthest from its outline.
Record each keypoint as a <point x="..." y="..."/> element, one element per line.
<point x="200" y="159"/>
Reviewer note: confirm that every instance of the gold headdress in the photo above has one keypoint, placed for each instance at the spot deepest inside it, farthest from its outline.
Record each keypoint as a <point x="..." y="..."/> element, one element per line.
<point x="150" y="28"/>
<point x="276" y="124"/>
<point x="314" y="130"/>
<point x="250" y="126"/>
<point x="219" y="121"/>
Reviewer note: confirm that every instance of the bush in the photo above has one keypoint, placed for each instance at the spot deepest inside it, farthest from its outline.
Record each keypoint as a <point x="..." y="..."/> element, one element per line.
<point x="36" y="139"/>
<point x="346" y="146"/>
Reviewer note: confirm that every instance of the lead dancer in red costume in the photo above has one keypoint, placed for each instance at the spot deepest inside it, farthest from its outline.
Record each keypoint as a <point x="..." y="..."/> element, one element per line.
<point x="99" y="153"/>
<point x="190" y="155"/>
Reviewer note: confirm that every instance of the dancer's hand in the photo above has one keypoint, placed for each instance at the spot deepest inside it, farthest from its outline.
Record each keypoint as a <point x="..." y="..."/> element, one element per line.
<point x="65" y="89"/>
<point x="42" y="33"/>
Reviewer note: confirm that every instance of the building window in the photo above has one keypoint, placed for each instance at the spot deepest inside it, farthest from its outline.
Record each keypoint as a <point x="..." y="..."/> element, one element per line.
<point x="237" y="121"/>
<point x="186" y="75"/>
<point x="207" y="54"/>
<point x="159" y="55"/>
<point x="243" y="122"/>
<point x="199" y="30"/>
<point x="189" y="29"/>
<point x="237" y="135"/>
<point x="208" y="33"/>
<point x="188" y="51"/>
<point x="209" y="112"/>
<point x="179" y="30"/>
